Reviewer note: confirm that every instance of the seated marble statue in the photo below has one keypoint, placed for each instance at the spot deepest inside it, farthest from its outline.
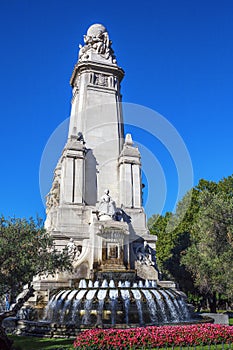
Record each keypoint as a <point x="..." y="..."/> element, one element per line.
<point x="106" y="205"/>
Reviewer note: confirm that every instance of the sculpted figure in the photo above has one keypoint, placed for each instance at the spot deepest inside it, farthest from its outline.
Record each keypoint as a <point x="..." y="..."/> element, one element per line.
<point x="107" y="205"/>
<point x="82" y="50"/>
<point x="71" y="247"/>
<point x="97" y="39"/>
<point x="145" y="254"/>
<point x="53" y="197"/>
<point x="73" y="250"/>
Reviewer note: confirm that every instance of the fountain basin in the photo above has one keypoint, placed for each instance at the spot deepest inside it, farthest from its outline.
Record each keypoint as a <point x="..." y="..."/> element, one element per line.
<point x="114" y="304"/>
<point x="49" y="329"/>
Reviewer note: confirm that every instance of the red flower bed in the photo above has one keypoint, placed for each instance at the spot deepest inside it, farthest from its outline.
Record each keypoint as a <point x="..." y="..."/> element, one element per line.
<point x="149" y="337"/>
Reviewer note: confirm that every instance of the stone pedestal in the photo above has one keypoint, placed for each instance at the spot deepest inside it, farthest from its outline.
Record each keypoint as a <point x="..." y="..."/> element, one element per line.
<point x="218" y="318"/>
<point x="115" y="246"/>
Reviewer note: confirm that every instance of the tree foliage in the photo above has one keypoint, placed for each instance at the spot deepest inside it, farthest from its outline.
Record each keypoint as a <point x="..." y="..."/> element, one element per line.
<point x="210" y="256"/>
<point x="173" y="232"/>
<point x="195" y="243"/>
<point x="158" y="226"/>
<point x="26" y="250"/>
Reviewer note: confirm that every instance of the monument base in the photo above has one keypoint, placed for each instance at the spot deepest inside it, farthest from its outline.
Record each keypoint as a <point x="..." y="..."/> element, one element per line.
<point x="120" y="275"/>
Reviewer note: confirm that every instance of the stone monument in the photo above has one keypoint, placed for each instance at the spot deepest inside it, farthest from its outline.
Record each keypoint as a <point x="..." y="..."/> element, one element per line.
<point x="94" y="210"/>
<point x="95" y="203"/>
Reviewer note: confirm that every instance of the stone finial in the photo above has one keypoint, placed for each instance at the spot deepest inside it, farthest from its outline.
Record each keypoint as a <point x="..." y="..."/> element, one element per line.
<point x="128" y="140"/>
<point x="96" y="40"/>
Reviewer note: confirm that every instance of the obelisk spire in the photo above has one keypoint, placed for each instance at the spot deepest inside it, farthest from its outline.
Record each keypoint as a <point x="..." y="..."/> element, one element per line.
<point x="96" y="110"/>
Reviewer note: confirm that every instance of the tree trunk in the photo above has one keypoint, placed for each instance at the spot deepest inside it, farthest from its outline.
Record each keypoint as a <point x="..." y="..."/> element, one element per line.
<point x="212" y="299"/>
<point x="5" y="342"/>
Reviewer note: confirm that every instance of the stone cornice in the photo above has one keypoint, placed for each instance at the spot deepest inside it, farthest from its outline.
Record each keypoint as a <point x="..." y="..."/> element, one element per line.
<point x="96" y="67"/>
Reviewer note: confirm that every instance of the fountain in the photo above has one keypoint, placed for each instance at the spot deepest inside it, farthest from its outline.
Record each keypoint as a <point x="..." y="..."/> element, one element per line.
<point x="94" y="209"/>
<point x="110" y="305"/>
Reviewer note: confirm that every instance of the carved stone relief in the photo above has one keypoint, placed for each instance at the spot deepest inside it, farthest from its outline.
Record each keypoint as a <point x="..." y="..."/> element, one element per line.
<point x="53" y="197"/>
<point x="145" y="254"/>
<point x="101" y="80"/>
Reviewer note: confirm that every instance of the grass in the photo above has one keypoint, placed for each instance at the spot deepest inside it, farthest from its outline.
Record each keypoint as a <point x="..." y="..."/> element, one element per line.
<point x="34" y="343"/>
<point x="205" y="347"/>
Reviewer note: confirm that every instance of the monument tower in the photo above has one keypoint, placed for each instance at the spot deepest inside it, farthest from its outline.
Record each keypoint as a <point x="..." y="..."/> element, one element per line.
<point x="94" y="209"/>
<point x="95" y="204"/>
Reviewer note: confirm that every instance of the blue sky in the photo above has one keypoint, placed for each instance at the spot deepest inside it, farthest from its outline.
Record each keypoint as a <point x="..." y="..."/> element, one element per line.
<point x="177" y="56"/>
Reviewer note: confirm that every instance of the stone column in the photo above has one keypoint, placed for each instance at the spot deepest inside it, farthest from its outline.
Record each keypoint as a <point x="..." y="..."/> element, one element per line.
<point x="72" y="173"/>
<point x="79" y="193"/>
<point x="136" y="175"/>
<point x="130" y="175"/>
<point x="126" y="188"/>
<point x="67" y="178"/>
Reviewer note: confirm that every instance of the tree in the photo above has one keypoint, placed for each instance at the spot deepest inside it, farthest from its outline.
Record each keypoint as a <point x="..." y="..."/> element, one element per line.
<point x="210" y="256"/>
<point x="173" y="235"/>
<point x="26" y="250"/>
<point x="176" y="234"/>
<point x="157" y="225"/>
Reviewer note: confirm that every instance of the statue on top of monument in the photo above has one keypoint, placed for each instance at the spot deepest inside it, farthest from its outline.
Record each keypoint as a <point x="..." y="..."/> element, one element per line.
<point x="97" y="40"/>
<point x="106" y="205"/>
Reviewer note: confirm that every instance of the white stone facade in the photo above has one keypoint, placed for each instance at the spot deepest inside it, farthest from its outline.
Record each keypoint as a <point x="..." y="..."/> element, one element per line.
<point x="96" y="158"/>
